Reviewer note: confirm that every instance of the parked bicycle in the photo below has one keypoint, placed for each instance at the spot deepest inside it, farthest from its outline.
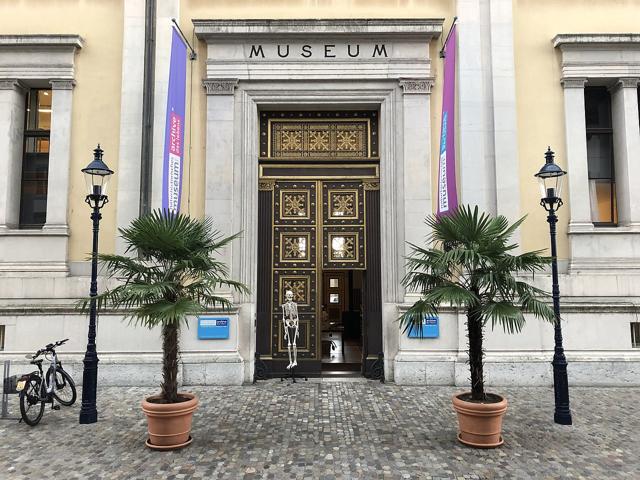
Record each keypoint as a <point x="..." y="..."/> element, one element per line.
<point x="36" y="389"/>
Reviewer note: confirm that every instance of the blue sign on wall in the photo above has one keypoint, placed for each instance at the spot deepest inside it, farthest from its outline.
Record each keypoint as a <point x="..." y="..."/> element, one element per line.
<point x="213" y="327"/>
<point x="430" y="328"/>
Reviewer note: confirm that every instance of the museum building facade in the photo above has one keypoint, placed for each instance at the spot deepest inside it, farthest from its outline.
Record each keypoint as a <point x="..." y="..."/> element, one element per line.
<point x="315" y="134"/>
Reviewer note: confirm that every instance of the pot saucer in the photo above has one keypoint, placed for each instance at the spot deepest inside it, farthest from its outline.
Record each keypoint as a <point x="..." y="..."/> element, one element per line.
<point x="481" y="445"/>
<point x="168" y="447"/>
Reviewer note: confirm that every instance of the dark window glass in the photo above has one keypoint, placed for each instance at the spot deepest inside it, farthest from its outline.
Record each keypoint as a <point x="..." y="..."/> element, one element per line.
<point x="602" y="183"/>
<point x="635" y="334"/>
<point x="35" y="162"/>
<point x="2" y="330"/>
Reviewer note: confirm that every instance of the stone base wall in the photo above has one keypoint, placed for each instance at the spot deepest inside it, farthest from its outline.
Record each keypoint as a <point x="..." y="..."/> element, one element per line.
<point x="525" y="372"/>
<point x="147" y="370"/>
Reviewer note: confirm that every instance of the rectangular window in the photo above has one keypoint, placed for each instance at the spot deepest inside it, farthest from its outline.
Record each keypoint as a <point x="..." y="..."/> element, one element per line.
<point x="635" y="334"/>
<point x="2" y="337"/>
<point x="602" y="183"/>
<point x="35" y="161"/>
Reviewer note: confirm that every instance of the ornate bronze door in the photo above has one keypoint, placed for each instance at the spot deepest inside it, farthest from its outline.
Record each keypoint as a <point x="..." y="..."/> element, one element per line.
<point x="312" y="217"/>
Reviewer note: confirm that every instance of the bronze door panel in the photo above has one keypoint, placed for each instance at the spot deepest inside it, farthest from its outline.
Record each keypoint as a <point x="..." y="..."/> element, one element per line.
<point x="295" y="263"/>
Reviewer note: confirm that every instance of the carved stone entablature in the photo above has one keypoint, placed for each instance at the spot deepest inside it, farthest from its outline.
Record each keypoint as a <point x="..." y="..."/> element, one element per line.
<point x="62" y="84"/>
<point x="573" y="82"/>
<point x="266" y="185"/>
<point x="312" y="49"/>
<point x="412" y="85"/>
<point x="628" y="82"/>
<point x="11" y="84"/>
<point x="605" y="57"/>
<point x="38" y="57"/>
<point x="371" y="185"/>
<point x="220" y="87"/>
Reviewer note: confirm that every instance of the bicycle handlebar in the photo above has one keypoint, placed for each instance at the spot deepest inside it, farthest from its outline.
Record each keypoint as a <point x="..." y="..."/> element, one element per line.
<point x="50" y="347"/>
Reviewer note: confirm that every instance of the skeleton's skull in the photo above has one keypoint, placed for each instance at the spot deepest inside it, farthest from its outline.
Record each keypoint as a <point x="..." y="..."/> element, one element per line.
<point x="288" y="296"/>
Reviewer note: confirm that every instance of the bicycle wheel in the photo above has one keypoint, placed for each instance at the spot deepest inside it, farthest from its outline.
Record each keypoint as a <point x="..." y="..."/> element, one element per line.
<point x="64" y="389"/>
<point x="31" y="407"/>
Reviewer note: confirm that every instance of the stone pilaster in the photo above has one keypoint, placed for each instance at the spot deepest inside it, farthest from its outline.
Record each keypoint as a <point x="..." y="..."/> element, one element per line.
<point x="576" y="138"/>
<point x="626" y="148"/>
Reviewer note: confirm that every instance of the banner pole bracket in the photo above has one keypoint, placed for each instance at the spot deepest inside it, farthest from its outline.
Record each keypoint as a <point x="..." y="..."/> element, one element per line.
<point x="192" y="55"/>
<point x="442" y="51"/>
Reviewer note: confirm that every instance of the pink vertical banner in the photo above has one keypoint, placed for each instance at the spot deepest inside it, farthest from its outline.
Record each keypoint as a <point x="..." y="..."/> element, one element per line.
<point x="447" y="190"/>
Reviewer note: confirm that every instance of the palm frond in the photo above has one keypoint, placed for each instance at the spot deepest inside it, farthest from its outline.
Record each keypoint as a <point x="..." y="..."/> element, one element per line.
<point x="177" y="275"/>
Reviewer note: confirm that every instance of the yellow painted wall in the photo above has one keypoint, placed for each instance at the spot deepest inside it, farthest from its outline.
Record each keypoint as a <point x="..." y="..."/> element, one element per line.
<point x="96" y="113"/>
<point x="193" y="198"/>
<point x="96" y="97"/>
<point x="540" y="96"/>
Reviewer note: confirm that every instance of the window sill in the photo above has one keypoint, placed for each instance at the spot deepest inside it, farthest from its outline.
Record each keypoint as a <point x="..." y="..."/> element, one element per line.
<point x="53" y="231"/>
<point x="591" y="229"/>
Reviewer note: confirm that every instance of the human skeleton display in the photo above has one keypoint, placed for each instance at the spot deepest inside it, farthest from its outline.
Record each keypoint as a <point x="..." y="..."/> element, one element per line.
<point x="291" y="327"/>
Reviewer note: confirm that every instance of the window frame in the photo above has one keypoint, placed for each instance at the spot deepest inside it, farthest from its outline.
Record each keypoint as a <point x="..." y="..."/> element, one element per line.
<point x="29" y="133"/>
<point x="606" y="131"/>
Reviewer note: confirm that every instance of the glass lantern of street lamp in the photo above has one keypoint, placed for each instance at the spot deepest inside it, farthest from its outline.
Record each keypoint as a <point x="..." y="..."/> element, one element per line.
<point x="97" y="175"/>
<point x="550" y="178"/>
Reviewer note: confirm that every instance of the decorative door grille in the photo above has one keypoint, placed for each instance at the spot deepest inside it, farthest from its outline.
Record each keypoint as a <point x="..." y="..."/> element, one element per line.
<point x="309" y="237"/>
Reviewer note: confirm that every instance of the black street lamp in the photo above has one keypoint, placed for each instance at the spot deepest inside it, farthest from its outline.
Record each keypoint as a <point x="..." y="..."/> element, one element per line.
<point x="97" y="176"/>
<point x="550" y="177"/>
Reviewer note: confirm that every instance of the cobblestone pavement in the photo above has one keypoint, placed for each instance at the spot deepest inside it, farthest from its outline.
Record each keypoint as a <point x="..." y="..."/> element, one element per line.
<point x="325" y="430"/>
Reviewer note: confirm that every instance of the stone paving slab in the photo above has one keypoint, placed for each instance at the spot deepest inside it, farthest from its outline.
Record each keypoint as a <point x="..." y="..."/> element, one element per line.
<point x="332" y="430"/>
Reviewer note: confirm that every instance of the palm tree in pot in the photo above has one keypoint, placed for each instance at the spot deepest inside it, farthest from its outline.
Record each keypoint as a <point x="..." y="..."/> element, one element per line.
<point x="173" y="277"/>
<point x="469" y="263"/>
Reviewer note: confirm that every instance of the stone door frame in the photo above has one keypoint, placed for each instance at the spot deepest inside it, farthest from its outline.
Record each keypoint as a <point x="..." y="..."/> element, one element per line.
<point x="232" y="129"/>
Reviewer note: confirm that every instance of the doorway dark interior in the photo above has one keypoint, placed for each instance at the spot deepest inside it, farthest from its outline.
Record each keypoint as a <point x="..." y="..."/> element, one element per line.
<point x="341" y="314"/>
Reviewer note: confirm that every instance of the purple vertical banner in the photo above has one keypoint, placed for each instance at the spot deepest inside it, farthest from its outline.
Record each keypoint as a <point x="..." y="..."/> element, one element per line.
<point x="447" y="190"/>
<point x="174" y="129"/>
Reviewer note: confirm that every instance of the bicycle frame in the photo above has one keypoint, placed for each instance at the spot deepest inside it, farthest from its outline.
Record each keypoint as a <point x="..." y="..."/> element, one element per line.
<point x="46" y="385"/>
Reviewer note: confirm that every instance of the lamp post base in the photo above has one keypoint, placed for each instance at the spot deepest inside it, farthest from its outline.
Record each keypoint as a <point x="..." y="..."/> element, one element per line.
<point x="88" y="417"/>
<point x="563" y="418"/>
<point x="562" y="414"/>
<point x="89" y="410"/>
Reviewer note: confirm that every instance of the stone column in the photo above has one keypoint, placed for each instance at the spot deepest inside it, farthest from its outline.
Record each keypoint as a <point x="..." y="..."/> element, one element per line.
<point x="219" y="155"/>
<point x="577" y="168"/>
<point x="505" y="128"/>
<point x="12" y="102"/>
<point x="626" y="148"/>
<point x="475" y="150"/>
<point x="417" y="159"/>
<point x="129" y="163"/>
<point x="59" y="155"/>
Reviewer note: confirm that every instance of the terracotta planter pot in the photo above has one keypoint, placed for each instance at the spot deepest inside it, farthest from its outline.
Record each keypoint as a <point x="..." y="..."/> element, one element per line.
<point x="480" y="424"/>
<point x="169" y="423"/>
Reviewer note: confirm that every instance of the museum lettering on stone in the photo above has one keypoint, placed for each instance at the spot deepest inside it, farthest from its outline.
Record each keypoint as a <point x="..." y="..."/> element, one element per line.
<point x="314" y="129"/>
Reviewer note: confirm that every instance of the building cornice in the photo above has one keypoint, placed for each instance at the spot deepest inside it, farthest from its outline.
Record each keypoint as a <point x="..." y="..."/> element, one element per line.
<point x="593" y="39"/>
<point x="46" y="40"/>
<point x="224" y="29"/>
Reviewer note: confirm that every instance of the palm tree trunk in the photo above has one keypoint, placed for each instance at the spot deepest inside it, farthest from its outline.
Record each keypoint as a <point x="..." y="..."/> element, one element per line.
<point x="476" y="354"/>
<point x="170" y="362"/>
